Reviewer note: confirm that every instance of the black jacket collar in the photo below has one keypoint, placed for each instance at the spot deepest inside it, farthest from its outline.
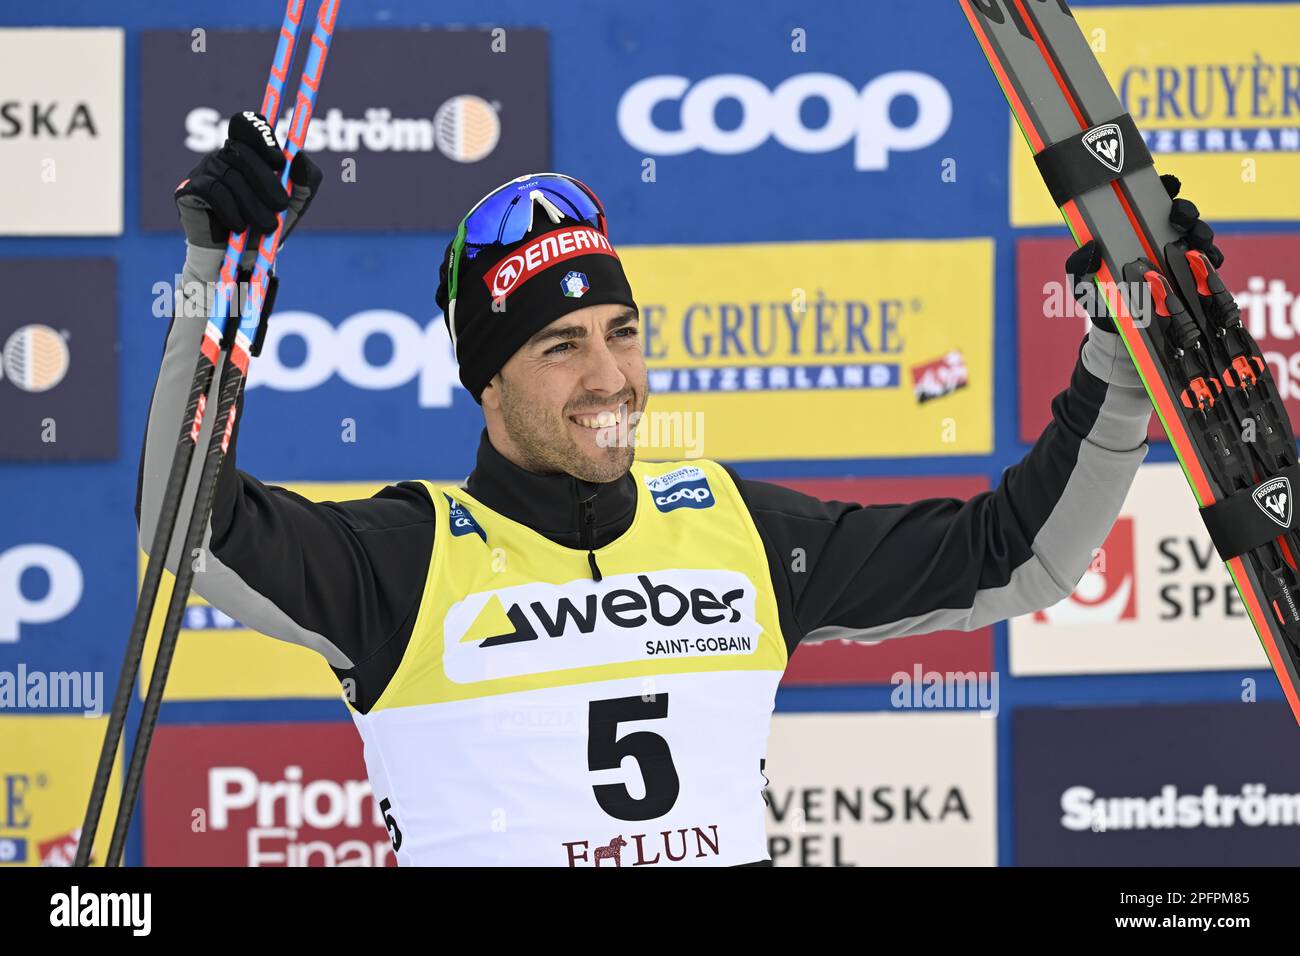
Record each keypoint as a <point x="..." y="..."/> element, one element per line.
<point x="552" y="505"/>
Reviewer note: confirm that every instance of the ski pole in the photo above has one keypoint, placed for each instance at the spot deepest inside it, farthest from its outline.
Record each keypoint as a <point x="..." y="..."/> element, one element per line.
<point x="233" y="374"/>
<point x="192" y="422"/>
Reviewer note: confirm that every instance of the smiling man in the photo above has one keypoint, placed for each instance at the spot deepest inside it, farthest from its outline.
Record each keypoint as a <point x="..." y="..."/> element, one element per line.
<point x="560" y="411"/>
<point x="572" y="658"/>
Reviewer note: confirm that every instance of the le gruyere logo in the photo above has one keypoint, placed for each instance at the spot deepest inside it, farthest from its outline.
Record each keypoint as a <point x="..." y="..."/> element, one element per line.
<point x="803" y="349"/>
<point x="532" y="628"/>
<point x="1215" y="93"/>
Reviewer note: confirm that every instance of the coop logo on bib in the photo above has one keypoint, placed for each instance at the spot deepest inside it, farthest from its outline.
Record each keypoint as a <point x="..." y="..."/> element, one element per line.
<point x="684" y="488"/>
<point x="462" y="522"/>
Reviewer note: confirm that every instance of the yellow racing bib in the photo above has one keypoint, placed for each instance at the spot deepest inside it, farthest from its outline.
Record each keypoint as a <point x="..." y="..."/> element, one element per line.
<point x="540" y="717"/>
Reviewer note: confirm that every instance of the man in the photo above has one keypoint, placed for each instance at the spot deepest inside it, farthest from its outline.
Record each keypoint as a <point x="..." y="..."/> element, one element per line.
<point x="572" y="659"/>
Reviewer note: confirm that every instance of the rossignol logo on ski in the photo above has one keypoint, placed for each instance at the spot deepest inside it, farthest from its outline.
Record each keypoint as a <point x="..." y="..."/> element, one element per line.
<point x="1107" y="145"/>
<point x="684" y="488"/>
<point x="1274" y="499"/>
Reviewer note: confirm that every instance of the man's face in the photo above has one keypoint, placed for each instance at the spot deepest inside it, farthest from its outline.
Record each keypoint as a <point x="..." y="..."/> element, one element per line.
<point x="565" y="402"/>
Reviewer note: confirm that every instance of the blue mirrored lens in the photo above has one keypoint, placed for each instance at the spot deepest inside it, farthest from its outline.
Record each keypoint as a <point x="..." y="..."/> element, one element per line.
<point x="505" y="215"/>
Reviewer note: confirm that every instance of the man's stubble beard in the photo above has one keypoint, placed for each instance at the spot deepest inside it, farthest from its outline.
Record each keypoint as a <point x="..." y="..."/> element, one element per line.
<point x="547" y="448"/>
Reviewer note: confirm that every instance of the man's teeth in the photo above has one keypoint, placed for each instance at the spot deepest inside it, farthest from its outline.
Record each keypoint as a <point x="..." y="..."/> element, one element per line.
<point x="600" y="420"/>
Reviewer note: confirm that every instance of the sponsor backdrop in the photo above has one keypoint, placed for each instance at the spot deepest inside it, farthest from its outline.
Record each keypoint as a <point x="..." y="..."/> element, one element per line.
<point x="912" y="790"/>
<point x="58" y="359"/>
<point x="61" y="132"/>
<point x="1156" y="786"/>
<point x="845" y="261"/>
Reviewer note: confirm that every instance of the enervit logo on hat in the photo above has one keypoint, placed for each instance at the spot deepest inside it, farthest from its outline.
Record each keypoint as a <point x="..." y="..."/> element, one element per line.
<point x="575" y="284"/>
<point x="684" y="488"/>
<point x="543" y="252"/>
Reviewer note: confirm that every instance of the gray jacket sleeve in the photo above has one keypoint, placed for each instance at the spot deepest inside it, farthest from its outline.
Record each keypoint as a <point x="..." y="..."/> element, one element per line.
<point x="883" y="571"/>
<point x="338" y="577"/>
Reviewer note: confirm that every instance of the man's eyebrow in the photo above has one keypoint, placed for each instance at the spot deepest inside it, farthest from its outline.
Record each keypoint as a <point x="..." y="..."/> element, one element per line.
<point x="567" y="333"/>
<point x="623" y="318"/>
<point x="563" y="333"/>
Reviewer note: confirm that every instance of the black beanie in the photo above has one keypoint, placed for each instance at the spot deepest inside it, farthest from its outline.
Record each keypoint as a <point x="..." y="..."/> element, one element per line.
<point x="507" y="293"/>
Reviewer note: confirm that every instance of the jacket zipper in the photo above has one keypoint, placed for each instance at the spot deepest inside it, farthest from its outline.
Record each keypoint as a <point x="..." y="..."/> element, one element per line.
<point x="587" y="526"/>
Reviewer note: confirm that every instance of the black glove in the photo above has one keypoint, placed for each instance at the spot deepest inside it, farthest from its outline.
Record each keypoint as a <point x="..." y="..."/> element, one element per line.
<point x="237" y="187"/>
<point x="1086" y="260"/>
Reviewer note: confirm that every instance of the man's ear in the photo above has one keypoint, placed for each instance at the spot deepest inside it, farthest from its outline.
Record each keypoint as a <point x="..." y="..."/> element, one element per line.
<point x="490" y="397"/>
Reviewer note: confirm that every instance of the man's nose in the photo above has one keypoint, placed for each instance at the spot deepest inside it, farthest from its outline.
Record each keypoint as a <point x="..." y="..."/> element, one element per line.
<point x="602" y="372"/>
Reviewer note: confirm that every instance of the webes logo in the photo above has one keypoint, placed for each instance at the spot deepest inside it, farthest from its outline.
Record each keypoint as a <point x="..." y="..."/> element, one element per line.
<point x="535" y="628"/>
<point x="621" y="607"/>
<point x="1108" y="589"/>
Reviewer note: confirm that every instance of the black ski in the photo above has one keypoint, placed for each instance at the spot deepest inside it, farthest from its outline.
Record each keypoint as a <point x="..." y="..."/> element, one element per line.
<point x="1205" y="374"/>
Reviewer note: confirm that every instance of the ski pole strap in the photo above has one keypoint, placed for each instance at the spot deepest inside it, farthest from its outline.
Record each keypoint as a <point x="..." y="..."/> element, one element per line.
<point x="244" y="278"/>
<point x="1253" y="516"/>
<point x="1092" y="158"/>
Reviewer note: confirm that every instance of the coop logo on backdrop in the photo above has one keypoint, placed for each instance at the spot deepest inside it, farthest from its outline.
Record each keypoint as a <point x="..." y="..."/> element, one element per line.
<point x="398" y="107"/>
<point x="24" y="604"/>
<point x="321" y="351"/>
<point x="61" y="132"/>
<point x="860" y="115"/>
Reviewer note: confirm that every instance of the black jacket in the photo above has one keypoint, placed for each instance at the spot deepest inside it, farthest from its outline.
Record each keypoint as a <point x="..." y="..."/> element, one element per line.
<point x="346" y="578"/>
